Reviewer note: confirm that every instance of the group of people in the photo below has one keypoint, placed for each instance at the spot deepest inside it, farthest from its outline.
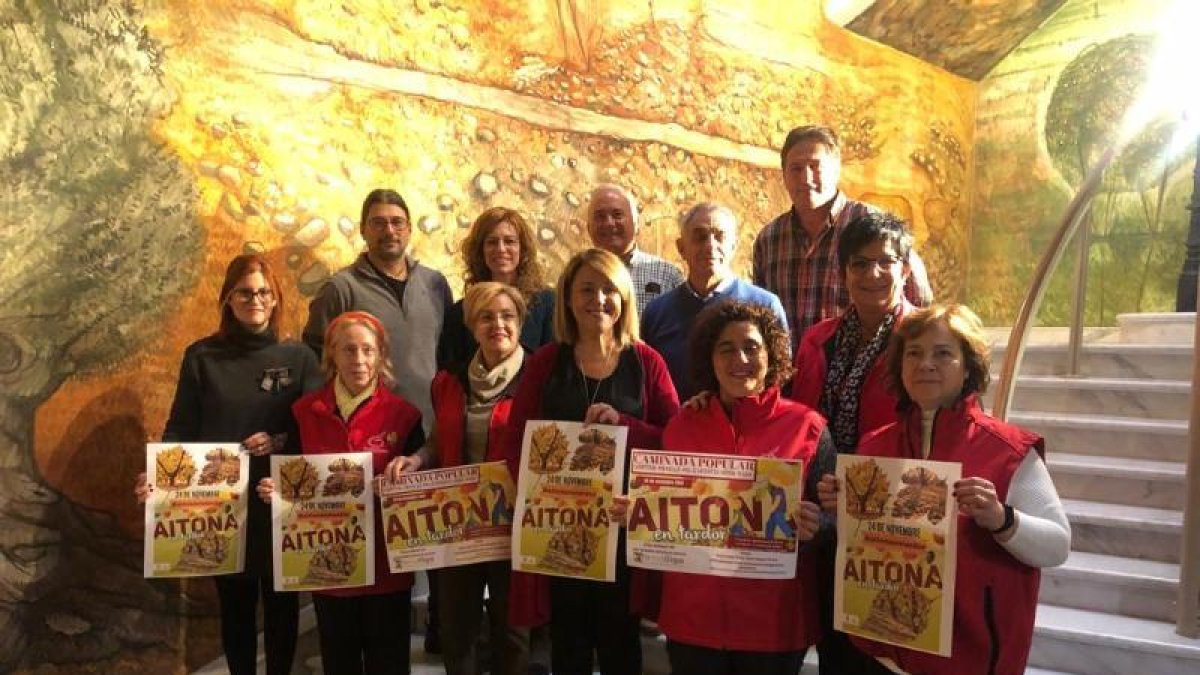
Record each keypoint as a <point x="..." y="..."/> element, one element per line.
<point x="393" y="366"/>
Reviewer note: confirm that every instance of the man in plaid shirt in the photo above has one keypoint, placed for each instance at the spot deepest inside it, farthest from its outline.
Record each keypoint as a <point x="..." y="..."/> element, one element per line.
<point x="612" y="214"/>
<point x="795" y="255"/>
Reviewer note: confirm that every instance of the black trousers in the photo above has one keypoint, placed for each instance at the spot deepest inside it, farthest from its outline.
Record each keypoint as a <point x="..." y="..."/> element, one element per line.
<point x="694" y="660"/>
<point x="238" y="596"/>
<point x="365" y="634"/>
<point x="587" y="616"/>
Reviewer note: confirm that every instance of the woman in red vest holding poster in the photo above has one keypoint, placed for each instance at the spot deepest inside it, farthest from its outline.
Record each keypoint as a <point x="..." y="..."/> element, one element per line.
<point x="721" y="625"/>
<point x="1011" y="522"/>
<point x="362" y="630"/>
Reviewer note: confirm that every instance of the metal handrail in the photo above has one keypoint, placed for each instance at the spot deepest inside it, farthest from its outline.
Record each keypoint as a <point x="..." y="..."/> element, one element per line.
<point x="1015" y="350"/>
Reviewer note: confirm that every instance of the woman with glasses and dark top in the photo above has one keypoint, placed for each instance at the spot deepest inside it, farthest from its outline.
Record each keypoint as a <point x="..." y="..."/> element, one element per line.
<point x="499" y="247"/>
<point x="722" y="625"/>
<point x="238" y="385"/>
<point x="597" y="372"/>
<point x="1011" y="522"/>
<point x="841" y="370"/>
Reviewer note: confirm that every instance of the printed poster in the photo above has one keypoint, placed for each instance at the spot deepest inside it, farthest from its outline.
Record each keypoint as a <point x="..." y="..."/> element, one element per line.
<point x="448" y="517"/>
<point x="569" y="473"/>
<point x="722" y="515"/>
<point x="323" y="521"/>
<point x="896" y="551"/>
<point x="196" y="514"/>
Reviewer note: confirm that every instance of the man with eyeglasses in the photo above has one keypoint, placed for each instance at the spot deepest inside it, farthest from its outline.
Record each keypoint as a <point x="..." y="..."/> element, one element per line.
<point x="409" y="298"/>
<point x="795" y="255"/>
<point x="707" y="243"/>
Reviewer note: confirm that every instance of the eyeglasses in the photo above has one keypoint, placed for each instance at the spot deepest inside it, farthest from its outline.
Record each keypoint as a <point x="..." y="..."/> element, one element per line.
<point x="246" y="295"/>
<point x="398" y="223"/>
<point x="861" y="265"/>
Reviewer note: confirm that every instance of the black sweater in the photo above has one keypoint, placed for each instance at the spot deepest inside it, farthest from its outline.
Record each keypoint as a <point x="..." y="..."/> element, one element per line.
<point x="233" y="387"/>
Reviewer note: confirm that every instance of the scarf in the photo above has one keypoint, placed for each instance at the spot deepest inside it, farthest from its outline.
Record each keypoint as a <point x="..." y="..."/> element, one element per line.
<point x="847" y="371"/>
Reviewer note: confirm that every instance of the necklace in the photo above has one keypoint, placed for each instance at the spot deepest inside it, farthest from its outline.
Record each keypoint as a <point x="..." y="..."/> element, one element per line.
<point x="589" y="395"/>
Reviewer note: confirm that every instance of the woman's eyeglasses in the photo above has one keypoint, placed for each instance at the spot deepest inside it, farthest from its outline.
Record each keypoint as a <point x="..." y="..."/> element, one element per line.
<point x="245" y="295"/>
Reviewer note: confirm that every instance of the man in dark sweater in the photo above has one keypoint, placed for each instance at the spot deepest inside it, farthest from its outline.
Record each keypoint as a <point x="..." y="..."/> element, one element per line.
<point x="408" y="298"/>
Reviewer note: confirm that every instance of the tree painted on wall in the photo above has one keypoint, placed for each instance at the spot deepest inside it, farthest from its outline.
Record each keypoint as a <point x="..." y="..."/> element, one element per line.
<point x="1132" y="231"/>
<point x="97" y="236"/>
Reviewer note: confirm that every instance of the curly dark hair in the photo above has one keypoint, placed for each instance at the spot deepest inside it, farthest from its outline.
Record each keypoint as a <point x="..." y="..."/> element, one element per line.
<point x="714" y="319"/>
<point x="529" y="270"/>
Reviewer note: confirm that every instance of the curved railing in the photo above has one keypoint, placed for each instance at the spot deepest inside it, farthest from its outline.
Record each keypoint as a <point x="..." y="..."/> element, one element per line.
<point x="1015" y="350"/>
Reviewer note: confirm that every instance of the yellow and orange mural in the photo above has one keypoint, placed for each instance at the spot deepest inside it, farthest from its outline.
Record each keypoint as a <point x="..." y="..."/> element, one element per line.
<point x="153" y="141"/>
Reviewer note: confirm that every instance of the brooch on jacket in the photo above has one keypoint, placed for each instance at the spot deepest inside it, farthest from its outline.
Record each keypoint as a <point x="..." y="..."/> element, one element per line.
<point x="275" y="380"/>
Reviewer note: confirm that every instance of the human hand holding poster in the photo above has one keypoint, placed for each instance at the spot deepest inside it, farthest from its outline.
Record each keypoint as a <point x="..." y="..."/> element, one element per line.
<point x="322" y="521"/>
<point x="723" y="515"/>
<point x="196" y="514"/>
<point x="896" y="551"/>
<point x="448" y="517"/>
<point x="569" y="473"/>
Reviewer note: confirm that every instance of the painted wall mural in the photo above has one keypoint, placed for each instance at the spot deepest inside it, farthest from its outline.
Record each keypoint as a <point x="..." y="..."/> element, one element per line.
<point x="150" y="142"/>
<point x="1046" y="113"/>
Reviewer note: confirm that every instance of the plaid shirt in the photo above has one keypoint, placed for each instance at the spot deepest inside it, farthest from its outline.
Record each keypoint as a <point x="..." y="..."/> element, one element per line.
<point x="804" y="273"/>
<point x="652" y="277"/>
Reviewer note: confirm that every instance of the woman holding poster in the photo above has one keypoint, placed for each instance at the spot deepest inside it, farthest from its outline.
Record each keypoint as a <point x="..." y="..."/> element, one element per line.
<point x="472" y="404"/>
<point x="239" y="384"/>
<point x="363" y="629"/>
<point x="597" y="372"/>
<point x="1011" y="521"/>
<point x="841" y="371"/>
<point x="724" y="625"/>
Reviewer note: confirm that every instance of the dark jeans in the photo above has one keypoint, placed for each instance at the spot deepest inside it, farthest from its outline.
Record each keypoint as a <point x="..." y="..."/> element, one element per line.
<point x="694" y="660"/>
<point x="587" y="616"/>
<point x="460" y="590"/>
<point x="239" y="596"/>
<point x="364" y="635"/>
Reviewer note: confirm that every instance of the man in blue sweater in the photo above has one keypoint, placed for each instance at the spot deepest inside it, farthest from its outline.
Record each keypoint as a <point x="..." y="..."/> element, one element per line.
<point x="707" y="242"/>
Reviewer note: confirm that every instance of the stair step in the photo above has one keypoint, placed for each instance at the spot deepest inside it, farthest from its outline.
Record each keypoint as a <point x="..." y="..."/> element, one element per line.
<point x="1096" y="643"/>
<point x="1162" y="328"/>
<point x="1127" y="531"/>
<point x="1147" y="361"/>
<point x="1125" y="586"/>
<point x="1108" y="435"/>
<point x="1120" y="480"/>
<point x="1140" y="398"/>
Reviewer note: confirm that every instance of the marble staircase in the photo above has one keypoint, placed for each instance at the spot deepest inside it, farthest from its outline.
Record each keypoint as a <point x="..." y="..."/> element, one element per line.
<point x="1116" y="439"/>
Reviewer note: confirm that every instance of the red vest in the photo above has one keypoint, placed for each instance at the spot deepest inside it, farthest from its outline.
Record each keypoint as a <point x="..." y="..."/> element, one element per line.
<point x="995" y="596"/>
<point x="761" y="615"/>
<point x="381" y="426"/>
<point x="877" y="402"/>
<point x="450" y="414"/>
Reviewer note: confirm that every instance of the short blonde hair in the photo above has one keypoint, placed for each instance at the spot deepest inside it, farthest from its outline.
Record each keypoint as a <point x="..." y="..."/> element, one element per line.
<point x="343" y="321"/>
<point x="964" y="325"/>
<point x="566" y="330"/>
<point x="481" y="294"/>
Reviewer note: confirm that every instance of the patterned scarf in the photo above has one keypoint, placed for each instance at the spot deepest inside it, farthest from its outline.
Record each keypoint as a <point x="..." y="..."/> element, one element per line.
<point x="846" y="373"/>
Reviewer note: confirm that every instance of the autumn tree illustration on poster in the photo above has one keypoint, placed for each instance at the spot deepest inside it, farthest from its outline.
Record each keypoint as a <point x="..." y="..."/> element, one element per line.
<point x="196" y="513"/>
<point x="322" y="521"/>
<point x="896" y="551"/>
<point x="569" y="473"/>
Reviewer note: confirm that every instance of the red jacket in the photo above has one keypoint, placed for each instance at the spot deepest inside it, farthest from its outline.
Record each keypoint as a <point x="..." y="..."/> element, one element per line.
<point x="529" y="594"/>
<point x="995" y="595"/>
<point x="381" y="426"/>
<point x="877" y="403"/>
<point x="760" y="615"/>
<point x="449" y="393"/>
